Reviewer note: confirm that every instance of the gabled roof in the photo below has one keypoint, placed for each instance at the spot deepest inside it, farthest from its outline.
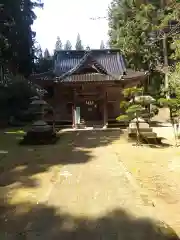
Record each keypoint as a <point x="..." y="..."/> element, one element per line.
<point x="85" y="66"/>
<point x="109" y="62"/>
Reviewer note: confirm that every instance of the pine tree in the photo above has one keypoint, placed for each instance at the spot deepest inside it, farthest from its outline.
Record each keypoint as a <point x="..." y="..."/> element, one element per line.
<point x="68" y="45"/>
<point x="88" y="48"/>
<point x="130" y="25"/>
<point x="58" y="45"/>
<point x="16" y="20"/>
<point x="39" y="52"/>
<point x="46" y="54"/>
<point x="79" y="45"/>
<point x="107" y="45"/>
<point x="136" y="106"/>
<point x="102" y="45"/>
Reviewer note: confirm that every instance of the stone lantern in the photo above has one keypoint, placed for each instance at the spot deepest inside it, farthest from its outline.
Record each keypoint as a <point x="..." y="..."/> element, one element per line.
<point x="40" y="132"/>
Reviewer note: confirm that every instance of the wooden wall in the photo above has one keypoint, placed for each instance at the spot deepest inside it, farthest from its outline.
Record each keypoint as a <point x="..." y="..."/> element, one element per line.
<point x="62" y="99"/>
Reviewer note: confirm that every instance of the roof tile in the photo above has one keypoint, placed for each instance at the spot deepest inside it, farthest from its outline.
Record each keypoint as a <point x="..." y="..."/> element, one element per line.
<point x="112" y="61"/>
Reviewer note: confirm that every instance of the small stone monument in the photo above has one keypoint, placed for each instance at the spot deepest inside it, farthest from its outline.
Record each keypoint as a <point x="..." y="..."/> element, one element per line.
<point x="40" y="132"/>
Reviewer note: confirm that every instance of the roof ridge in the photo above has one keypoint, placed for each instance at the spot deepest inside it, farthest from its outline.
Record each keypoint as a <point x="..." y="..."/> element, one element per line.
<point x="110" y="63"/>
<point x="71" y="71"/>
<point x="83" y="60"/>
<point x="38" y="74"/>
<point x="91" y="50"/>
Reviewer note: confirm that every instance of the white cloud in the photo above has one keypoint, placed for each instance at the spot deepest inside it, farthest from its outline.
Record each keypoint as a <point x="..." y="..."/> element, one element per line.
<point x="67" y="18"/>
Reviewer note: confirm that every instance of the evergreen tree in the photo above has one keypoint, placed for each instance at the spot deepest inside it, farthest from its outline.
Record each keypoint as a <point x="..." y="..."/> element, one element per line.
<point x="58" y="45"/>
<point x="17" y="38"/>
<point x="38" y="52"/>
<point x="130" y="26"/>
<point x="79" y="45"/>
<point x="46" y="54"/>
<point x="136" y="106"/>
<point x="102" y="46"/>
<point x="107" y="45"/>
<point x="68" y="45"/>
<point x="88" y="48"/>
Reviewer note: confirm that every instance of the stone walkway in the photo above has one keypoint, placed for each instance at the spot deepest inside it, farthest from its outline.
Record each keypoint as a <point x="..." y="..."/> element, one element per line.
<point x="97" y="200"/>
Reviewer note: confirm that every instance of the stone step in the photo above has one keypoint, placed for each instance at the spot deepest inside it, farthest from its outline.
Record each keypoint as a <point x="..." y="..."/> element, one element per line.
<point x="149" y="134"/>
<point x="133" y="130"/>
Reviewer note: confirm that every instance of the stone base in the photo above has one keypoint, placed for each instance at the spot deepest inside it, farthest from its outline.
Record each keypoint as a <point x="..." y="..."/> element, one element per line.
<point x="40" y="133"/>
<point x="146" y="138"/>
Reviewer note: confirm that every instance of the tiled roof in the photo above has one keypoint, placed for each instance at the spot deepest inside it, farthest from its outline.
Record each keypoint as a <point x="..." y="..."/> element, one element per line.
<point x="110" y="60"/>
<point x="44" y="75"/>
<point x="93" y="65"/>
<point x="130" y="74"/>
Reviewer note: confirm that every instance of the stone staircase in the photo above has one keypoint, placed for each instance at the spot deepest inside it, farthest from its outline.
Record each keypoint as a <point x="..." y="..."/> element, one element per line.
<point x="146" y="133"/>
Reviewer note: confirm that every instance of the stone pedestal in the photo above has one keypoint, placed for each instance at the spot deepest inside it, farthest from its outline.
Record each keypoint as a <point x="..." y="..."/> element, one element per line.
<point x="40" y="133"/>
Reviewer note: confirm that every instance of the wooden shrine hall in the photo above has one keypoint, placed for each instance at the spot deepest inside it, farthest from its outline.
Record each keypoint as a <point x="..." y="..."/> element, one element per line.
<point x="85" y="87"/>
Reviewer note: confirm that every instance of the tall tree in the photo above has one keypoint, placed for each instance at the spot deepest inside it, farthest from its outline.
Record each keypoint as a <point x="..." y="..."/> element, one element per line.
<point x="130" y="25"/>
<point x="68" y="45"/>
<point x="102" y="45"/>
<point x="88" y="48"/>
<point x="58" y="45"/>
<point x="46" y="54"/>
<point x="19" y="53"/>
<point x="38" y="51"/>
<point x="79" y="45"/>
<point x="107" y="45"/>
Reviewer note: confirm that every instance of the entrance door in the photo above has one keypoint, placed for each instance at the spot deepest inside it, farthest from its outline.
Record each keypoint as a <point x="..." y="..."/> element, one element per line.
<point x="90" y="111"/>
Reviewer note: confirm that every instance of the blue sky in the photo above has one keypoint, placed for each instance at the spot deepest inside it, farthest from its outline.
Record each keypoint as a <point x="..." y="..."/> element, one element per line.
<point x="67" y="18"/>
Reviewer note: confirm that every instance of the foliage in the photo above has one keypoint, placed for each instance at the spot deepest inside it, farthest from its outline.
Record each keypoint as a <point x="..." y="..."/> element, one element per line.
<point x="68" y="45"/>
<point x="102" y="45"/>
<point x="17" y="38"/>
<point x="137" y="29"/>
<point x="135" y="107"/>
<point x="171" y="11"/>
<point x="176" y="46"/>
<point x="79" y="45"/>
<point x="37" y="52"/>
<point x="15" y="94"/>
<point x="130" y="27"/>
<point x="88" y="48"/>
<point x="46" y="54"/>
<point x="43" y="62"/>
<point x="58" y="45"/>
<point x="173" y="103"/>
<point x="173" y="89"/>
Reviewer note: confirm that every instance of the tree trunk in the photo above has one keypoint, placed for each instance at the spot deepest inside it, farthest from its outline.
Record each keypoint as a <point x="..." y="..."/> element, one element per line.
<point x="137" y="131"/>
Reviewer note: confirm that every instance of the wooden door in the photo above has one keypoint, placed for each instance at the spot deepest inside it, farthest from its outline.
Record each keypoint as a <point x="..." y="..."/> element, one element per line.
<point x="90" y="111"/>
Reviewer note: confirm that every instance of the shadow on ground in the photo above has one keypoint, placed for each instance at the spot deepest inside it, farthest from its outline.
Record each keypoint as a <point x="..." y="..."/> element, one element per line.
<point x="22" y="162"/>
<point x="23" y="168"/>
<point x="47" y="223"/>
<point x="25" y="221"/>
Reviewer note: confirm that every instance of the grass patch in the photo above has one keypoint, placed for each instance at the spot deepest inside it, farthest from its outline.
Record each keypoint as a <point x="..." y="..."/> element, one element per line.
<point x="19" y="132"/>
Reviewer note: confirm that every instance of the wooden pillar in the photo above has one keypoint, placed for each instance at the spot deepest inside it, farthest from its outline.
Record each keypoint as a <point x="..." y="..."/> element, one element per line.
<point x="55" y="102"/>
<point x="74" y="109"/>
<point x="105" y="113"/>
